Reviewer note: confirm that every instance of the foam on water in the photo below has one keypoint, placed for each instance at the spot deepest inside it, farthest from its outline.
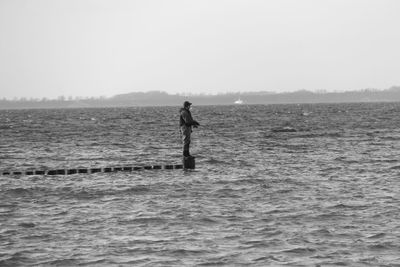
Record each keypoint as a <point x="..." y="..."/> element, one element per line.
<point x="323" y="195"/>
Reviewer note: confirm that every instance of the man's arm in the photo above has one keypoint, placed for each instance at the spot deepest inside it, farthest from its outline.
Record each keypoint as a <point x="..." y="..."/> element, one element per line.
<point x="188" y="119"/>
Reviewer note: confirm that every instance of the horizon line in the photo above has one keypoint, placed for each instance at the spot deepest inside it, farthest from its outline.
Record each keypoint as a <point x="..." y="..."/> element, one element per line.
<point x="185" y="94"/>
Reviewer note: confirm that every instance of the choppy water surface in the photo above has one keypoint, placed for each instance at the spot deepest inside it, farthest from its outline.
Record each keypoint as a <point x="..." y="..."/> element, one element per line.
<point x="325" y="195"/>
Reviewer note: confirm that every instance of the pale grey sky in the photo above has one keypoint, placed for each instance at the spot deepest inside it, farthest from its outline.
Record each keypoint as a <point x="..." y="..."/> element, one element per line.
<point x="50" y="48"/>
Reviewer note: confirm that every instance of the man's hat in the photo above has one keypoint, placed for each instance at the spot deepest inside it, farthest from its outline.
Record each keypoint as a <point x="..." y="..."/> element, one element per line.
<point x="186" y="103"/>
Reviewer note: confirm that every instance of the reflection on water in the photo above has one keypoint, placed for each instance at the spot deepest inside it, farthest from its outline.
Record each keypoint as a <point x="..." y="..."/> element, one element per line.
<point x="323" y="193"/>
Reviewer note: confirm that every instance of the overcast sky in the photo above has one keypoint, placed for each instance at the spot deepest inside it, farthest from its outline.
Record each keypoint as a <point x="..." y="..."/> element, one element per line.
<point x="50" y="48"/>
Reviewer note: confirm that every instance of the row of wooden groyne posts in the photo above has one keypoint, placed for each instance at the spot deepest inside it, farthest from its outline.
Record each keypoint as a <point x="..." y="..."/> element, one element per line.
<point x="92" y="170"/>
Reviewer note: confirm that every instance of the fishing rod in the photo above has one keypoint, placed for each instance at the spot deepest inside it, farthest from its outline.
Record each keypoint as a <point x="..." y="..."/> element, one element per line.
<point x="235" y="141"/>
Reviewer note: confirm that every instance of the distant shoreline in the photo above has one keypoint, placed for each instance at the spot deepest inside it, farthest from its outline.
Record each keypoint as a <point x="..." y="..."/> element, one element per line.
<point x="159" y="98"/>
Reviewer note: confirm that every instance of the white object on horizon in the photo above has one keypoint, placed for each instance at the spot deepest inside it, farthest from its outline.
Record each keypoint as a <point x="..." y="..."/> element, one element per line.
<point x="239" y="101"/>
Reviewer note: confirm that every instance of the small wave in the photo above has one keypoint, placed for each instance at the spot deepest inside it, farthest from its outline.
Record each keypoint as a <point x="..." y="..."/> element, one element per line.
<point x="329" y="169"/>
<point x="81" y="194"/>
<point x="382" y="246"/>
<point x="274" y="233"/>
<point x="64" y="262"/>
<point x="27" y="225"/>
<point x="323" y="232"/>
<point x="244" y="181"/>
<point x="134" y="189"/>
<point x="208" y="220"/>
<point x="213" y="263"/>
<point x="213" y="161"/>
<point x="340" y="263"/>
<point x="300" y="251"/>
<point x="188" y="252"/>
<point x="330" y="215"/>
<point x="5" y="232"/>
<point x="91" y="194"/>
<point x="390" y="138"/>
<point x="286" y="129"/>
<point x="227" y="192"/>
<point x="267" y="258"/>
<point x="347" y="161"/>
<point x="6" y="208"/>
<point x="16" y="259"/>
<point x="377" y="236"/>
<point x="217" y="261"/>
<point x="256" y="244"/>
<point x="277" y="211"/>
<point x="385" y="160"/>
<point x="94" y="262"/>
<point x="146" y="220"/>
<point x="348" y="206"/>
<point x="18" y="190"/>
<point x="285" y="191"/>
<point x="316" y="135"/>
<point x="244" y="163"/>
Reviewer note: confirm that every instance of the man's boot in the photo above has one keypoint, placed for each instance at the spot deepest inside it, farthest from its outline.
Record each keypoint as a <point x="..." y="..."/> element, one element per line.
<point x="188" y="161"/>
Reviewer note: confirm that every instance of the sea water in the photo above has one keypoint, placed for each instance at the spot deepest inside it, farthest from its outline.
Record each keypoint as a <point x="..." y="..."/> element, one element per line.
<point x="274" y="185"/>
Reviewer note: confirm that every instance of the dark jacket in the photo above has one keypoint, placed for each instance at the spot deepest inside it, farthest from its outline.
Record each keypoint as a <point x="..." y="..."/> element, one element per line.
<point x="186" y="118"/>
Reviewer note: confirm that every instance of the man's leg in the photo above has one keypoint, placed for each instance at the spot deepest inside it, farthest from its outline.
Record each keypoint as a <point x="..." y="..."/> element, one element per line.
<point x="186" y="150"/>
<point x="186" y="141"/>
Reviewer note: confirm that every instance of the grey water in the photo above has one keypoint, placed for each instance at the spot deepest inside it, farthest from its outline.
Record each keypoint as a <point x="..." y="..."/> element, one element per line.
<point x="274" y="185"/>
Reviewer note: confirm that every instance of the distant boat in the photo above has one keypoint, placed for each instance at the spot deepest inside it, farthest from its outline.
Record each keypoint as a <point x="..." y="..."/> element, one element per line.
<point x="239" y="101"/>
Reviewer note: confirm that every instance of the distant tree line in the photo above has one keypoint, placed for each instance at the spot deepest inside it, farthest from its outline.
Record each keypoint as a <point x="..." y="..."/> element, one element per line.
<point x="160" y="98"/>
<point x="59" y="102"/>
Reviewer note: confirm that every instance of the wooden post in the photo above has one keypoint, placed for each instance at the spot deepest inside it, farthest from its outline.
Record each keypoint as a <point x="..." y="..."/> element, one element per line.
<point x="188" y="162"/>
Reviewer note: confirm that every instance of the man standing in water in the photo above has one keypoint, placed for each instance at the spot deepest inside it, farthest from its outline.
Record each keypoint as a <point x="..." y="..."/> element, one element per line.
<point x="186" y="123"/>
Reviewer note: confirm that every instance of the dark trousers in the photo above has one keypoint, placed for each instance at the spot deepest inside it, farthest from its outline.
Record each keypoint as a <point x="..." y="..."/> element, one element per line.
<point x="186" y="132"/>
